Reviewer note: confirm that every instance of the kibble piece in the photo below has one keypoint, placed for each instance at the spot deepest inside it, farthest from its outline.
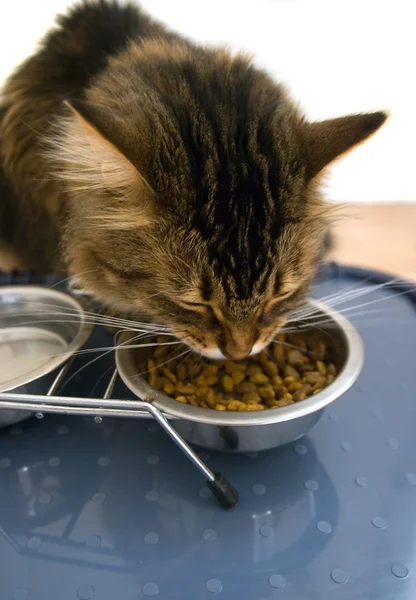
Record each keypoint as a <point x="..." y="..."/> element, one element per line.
<point x="251" y="397"/>
<point x="181" y="399"/>
<point x="314" y="377"/>
<point x="253" y="370"/>
<point x="319" y="351"/>
<point x="271" y="402"/>
<point x="168" y="373"/>
<point x="227" y="383"/>
<point x="281" y="390"/>
<point x="192" y="400"/>
<point x="285" y="401"/>
<point x="210" y="398"/>
<point x="210" y="370"/>
<point x="245" y="386"/>
<point x="298" y="341"/>
<point x="234" y="405"/>
<point x="202" y="392"/>
<point x="294" y="386"/>
<point x="181" y="372"/>
<point x="220" y="407"/>
<point x="266" y="392"/>
<point x="298" y="396"/>
<point x="271" y="368"/>
<point x="201" y="381"/>
<point x="194" y="370"/>
<point x="211" y="380"/>
<point x="308" y="366"/>
<point x="331" y="369"/>
<point x="185" y="388"/>
<point x="151" y="366"/>
<point x="306" y="388"/>
<point x="263" y="357"/>
<point x="276" y="380"/>
<point x="321" y="367"/>
<point x="290" y="371"/>
<point x="330" y="379"/>
<point x="259" y="378"/>
<point x="169" y="388"/>
<point x="219" y="398"/>
<point x="250" y="407"/>
<point x="229" y="367"/>
<point x="279" y="353"/>
<point x="238" y="376"/>
<point x="161" y="352"/>
<point x="296" y="358"/>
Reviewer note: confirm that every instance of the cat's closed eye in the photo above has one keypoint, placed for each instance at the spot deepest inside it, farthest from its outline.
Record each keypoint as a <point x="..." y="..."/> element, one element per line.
<point x="199" y="307"/>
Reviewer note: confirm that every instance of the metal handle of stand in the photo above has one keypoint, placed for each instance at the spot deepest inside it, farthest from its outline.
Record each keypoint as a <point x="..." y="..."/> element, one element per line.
<point x="60" y="377"/>
<point x="222" y="489"/>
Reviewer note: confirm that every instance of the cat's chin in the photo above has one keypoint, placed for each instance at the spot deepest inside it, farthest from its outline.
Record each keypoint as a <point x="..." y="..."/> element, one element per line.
<point x="216" y="354"/>
<point x="213" y="354"/>
<point x="257" y="348"/>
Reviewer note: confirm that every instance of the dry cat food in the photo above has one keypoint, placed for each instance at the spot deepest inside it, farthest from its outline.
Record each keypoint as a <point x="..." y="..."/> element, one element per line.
<point x="291" y="369"/>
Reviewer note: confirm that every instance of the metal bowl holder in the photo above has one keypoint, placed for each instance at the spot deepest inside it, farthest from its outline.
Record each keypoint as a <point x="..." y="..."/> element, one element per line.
<point x="226" y="495"/>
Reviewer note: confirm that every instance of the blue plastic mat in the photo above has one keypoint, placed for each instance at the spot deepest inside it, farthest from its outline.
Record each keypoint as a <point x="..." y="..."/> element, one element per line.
<point x="114" y="511"/>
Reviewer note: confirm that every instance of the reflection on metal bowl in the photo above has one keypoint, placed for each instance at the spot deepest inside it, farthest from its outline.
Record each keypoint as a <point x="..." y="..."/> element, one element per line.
<point x="40" y="329"/>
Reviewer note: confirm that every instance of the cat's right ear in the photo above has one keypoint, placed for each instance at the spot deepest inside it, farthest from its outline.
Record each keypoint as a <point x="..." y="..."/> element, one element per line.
<point x="324" y="141"/>
<point x="92" y="155"/>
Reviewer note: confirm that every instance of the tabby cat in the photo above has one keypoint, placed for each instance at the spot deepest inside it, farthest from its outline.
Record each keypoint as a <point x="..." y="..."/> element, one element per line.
<point x="169" y="179"/>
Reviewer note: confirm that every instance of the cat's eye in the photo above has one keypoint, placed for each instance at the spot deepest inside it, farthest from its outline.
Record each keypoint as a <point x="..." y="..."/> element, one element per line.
<point x="205" y="310"/>
<point x="279" y="297"/>
<point x="194" y="304"/>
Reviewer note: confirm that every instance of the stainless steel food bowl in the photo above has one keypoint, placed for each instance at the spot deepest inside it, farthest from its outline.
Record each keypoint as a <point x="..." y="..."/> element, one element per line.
<point x="253" y="431"/>
<point x="40" y="329"/>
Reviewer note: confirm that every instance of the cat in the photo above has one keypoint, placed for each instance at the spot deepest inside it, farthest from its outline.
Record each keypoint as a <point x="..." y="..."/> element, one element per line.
<point x="170" y="179"/>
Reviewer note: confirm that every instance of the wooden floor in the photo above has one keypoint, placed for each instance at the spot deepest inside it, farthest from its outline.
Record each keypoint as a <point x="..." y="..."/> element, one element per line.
<point x="381" y="237"/>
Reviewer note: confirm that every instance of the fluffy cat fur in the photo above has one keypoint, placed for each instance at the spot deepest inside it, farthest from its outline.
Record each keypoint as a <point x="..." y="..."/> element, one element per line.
<point x="168" y="178"/>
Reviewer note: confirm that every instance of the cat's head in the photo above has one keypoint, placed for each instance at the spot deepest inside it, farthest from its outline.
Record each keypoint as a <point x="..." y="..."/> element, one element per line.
<point x="192" y="181"/>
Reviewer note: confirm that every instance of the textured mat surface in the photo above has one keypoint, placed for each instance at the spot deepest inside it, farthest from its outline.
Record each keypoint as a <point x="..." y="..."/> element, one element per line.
<point x="114" y="511"/>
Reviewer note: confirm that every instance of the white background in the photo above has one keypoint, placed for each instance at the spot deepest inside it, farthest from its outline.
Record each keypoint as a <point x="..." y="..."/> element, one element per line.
<point x="336" y="57"/>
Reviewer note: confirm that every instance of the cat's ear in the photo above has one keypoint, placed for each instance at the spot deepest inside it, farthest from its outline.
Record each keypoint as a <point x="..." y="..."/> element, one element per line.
<point x="325" y="141"/>
<point x="100" y="123"/>
<point x="92" y="154"/>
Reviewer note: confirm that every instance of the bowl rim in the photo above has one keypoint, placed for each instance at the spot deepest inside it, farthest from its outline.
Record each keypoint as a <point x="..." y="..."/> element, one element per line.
<point x="84" y="332"/>
<point x="349" y="373"/>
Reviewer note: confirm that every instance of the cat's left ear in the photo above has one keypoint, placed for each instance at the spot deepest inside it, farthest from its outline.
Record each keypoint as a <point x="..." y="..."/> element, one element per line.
<point x="324" y="141"/>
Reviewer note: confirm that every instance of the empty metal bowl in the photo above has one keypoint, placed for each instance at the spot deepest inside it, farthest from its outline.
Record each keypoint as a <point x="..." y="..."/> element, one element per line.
<point x="40" y="329"/>
<point x="260" y="430"/>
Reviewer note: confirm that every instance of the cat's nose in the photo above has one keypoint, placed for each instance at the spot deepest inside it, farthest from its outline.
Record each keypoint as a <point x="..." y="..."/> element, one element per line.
<point x="237" y="347"/>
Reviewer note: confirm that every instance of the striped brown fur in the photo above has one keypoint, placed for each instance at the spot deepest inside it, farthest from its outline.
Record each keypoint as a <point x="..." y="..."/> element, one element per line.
<point x="169" y="178"/>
